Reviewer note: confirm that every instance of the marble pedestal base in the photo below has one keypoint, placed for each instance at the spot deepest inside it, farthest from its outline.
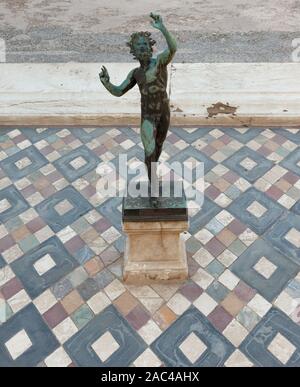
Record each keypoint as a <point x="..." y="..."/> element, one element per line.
<point x="155" y="252"/>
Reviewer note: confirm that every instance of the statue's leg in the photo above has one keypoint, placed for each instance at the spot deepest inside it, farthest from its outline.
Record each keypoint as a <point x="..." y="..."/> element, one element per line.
<point x="148" y="132"/>
<point x="162" y="131"/>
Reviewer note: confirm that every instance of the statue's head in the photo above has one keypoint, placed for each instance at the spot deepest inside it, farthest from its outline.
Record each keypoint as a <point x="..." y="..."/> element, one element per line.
<point x="141" y="44"/>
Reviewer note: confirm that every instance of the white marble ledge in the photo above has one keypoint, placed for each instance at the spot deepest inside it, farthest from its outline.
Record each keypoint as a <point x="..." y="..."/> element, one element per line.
<point x="71" y="94"/>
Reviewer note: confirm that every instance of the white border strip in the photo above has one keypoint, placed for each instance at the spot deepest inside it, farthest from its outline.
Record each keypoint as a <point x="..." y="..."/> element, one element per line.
<point x="71" y="94"/>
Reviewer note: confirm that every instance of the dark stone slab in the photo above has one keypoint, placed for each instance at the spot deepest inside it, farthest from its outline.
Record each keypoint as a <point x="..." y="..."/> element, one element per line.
<point x="166" y="206"/>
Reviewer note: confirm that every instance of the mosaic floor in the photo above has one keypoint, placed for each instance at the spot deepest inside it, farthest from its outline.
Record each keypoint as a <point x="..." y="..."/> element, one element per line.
<point x="62" y="301"/>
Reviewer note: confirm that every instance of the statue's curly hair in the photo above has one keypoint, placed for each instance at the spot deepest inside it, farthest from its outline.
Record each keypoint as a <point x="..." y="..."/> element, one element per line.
<point x="135" y="36"/>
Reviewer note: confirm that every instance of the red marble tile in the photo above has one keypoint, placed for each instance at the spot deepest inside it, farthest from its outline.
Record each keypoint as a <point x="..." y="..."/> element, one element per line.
<point x="244" y="292"/>
<point x="6" y="243"/>
<point x="74" y="244"/>
<point x="215" y="247"/>
<point x="279" y="139"/>
<point x="48" y="149"/>
<point x="54" y="176"/>
<point x="120" y="138"/>
<point x="137" y="317"/>
<point x="28" y="191"/>
<point x="55" y="315"/>
<point x="237" y="227"/>
<point x="89" y="191"/>
<point x="291" y="178"/>
<point x="231" y="177"/>
<point x="99" y="150"/>
<point x="35" y="225"/>
<point x="274" y="192"/>
<point x="191" y="291"/>
<point x="220" y="318"/>
<point x="264" y="151"/>
<point x="70" y="138"/>
<point x="212" y="192"/>
<point x="109" y="256"/>
<point x="11" y="288"/>
<point x="48" y="191"/>
<point x="172" y="138"/>
<point x="208" y="150"/>
<point x="19" y="138"/>
<point x="102" y="225"/>
<point x="225" y="139"/>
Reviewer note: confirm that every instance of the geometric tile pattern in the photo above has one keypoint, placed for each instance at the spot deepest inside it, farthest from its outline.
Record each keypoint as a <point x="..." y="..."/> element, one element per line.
<point x="248" y="164"/>
<point x="62" y="299"/>
<point x="243" y="135"/>
<point x="105" y="341"/>
<point x="25" y="339"/>
<point x="63" y="208"/>
<point x="23" y="163"/>
<point x="285" y="236"/>
<point x="77" y="163"/>
<point x="275" y="342"/>
<point x="265" y="269"/>
<point x="15" y="203"/>
<point x="43" y="266"/>
<point x="256" y="210"/>
<point x="292" y="161"/>
<point x="192" y="341"/>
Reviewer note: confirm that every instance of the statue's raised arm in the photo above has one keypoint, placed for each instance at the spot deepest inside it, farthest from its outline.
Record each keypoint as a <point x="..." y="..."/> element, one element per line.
<point x="166" y="56"/>
<point x="120" y="90"/>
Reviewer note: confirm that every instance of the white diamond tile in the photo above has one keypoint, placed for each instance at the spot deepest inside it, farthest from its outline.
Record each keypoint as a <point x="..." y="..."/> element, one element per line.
<point x="192" y="347"/>
<point x="44" y="264"/>
<point x="105" y="346"/>
<point x="281" y="348"/>
<point x="265" y="267"/>
<point x="18" y="344"/>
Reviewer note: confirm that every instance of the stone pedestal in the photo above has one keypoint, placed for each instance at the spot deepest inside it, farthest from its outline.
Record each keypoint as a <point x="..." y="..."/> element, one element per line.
<point x="155" y="249"/>
<point x="155" y="252"/>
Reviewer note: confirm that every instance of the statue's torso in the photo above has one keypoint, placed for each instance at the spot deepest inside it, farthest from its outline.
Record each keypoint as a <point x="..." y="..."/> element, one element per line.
<point x="153" y="87"/>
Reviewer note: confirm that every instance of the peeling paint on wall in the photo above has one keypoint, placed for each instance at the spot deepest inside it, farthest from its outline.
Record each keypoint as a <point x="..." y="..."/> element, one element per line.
<point x="221" y="108"/>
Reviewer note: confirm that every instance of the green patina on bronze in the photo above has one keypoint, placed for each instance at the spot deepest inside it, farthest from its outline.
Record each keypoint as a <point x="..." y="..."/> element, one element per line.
<point x="171" y="206"/>
<point x="151" y="78"/>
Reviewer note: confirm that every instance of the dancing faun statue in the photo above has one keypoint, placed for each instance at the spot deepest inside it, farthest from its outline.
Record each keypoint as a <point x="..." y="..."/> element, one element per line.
<point x="151" y="78"/>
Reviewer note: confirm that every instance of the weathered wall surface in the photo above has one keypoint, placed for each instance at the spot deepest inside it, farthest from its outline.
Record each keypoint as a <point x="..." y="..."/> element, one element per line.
<point x="95" y="30"/>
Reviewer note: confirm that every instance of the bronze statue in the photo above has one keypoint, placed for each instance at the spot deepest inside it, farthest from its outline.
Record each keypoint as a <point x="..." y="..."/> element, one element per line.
<point x="151" y="78"/>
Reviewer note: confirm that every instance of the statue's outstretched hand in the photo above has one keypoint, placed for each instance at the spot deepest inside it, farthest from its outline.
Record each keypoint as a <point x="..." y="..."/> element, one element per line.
<point x="104" y="77"/>
<point x="157" y="21"/>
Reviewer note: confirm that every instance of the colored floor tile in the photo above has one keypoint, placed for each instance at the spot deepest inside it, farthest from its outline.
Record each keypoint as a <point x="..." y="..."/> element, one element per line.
<point x="43" y="266"/>
<point x="77" y="163"/>
<point x="256" y="210"/>
<point x="107" y="340"/>
<point x="62" y="298"/>
<point x="275" y="342"/>
<point x="264" y="269"/>
<point x="23" y="163"/>
<point x="285" y="236"/>
<point x="63" y="208"/>
<point x="192" y="341"/>
<point x="12" y="203"/>
<point x="25" y="339"/>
